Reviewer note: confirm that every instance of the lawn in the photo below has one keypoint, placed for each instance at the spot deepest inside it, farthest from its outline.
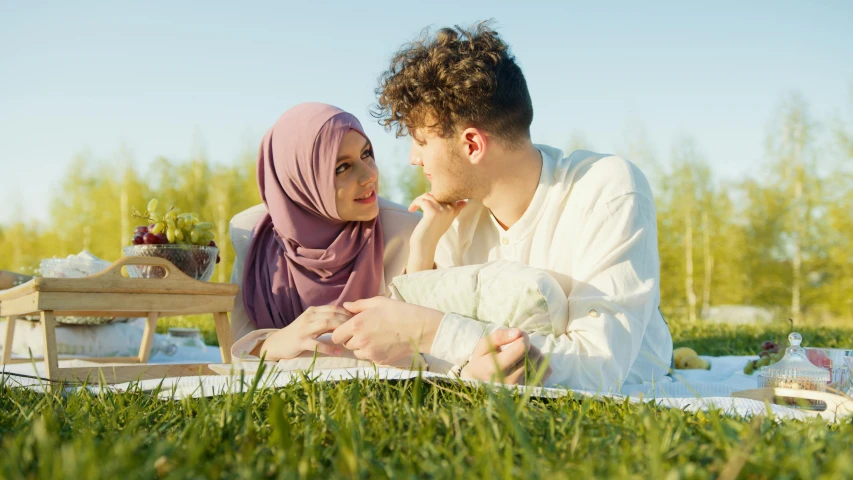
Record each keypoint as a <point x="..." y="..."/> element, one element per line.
<point x="367" y="429"/>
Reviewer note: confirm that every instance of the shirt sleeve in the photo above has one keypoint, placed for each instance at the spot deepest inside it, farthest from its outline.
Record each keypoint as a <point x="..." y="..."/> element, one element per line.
<point x="242" y="349"/>
<point x="615" y="292"/>
<point x="241" y="324"/>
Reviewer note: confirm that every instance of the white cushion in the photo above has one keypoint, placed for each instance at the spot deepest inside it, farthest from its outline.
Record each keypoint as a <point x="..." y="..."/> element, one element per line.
<point x="503" y="292"/>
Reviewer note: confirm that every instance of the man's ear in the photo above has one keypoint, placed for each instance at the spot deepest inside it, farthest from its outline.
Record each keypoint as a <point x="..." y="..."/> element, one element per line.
<point x="475" y="144"/>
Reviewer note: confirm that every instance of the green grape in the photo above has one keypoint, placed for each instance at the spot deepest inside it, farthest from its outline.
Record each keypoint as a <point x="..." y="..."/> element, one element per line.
<point x="763" y="362"/>
<point x="179" y="222"/>
<point x="171" y="215"/>
<point x="158" y="227"/>
<point x="194" y="235"/>
<point x="208" y="237"/>
<point x="749" y="368"/>
<point x="155" y="217"/>
<point x="152" y="205"/>
<point x="179" y="234"/>
<point x="170" y="234"/>
<point x="204" y="225"/>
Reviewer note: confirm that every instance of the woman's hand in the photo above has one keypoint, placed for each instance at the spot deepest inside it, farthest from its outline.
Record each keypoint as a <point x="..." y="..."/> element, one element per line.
<point x="436" y="220"/>
<point x="385" y="331"/>
<point x="500" y="356"/>
<point x="301" y="335"/>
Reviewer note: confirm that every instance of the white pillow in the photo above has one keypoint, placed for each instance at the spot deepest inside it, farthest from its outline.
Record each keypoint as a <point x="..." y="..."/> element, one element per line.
<point x="507" y="293"/>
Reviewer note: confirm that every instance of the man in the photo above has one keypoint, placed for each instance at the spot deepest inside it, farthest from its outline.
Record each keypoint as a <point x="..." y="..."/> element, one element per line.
<point x="588" y="219"/>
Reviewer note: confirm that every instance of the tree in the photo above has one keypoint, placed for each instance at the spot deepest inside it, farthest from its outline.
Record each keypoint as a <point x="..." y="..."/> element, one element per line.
<point x="684" y="209"/>
<point x="790" y="145"/>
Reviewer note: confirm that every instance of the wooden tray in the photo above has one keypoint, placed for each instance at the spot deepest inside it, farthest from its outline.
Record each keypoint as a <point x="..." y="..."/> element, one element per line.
<point x="110" y="294"/>
<point x="837" y="405"/>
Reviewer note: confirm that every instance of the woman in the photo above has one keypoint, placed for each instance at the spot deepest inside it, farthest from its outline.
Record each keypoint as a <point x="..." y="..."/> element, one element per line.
<point x="323" y="237"/>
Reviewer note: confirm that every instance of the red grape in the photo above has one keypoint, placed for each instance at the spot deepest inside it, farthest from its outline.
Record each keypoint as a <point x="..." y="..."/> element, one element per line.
<point x="768" y="345"/>
<point x="137" y="240"/>
<point x="141" y="230"/>
<point x="211" y="244"/>
<point x="161" y="238"/>
<point x="150" y="239"/>
<point x="217" y="258"/>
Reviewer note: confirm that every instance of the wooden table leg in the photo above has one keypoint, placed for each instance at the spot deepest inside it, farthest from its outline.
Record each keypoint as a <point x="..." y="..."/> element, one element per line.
<point x="51" y="360"/>
<point x="148" y="337"/>
<point x="223" y="334"/>
<point x="11" y="320"/>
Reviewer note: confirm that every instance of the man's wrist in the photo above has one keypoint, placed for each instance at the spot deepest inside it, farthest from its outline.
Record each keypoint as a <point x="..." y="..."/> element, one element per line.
<point x="429" y="327"/>
<point x="424" y="241"/>
<point x="420" y="258"/>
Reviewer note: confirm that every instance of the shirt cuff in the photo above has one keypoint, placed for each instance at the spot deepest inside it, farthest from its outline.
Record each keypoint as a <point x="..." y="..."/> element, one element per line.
<point x="242" y="349"/>
<point x="456" y="338"/>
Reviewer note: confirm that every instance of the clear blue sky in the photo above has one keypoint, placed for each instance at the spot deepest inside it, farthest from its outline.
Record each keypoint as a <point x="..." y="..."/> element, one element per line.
<point x="163" y="78"/>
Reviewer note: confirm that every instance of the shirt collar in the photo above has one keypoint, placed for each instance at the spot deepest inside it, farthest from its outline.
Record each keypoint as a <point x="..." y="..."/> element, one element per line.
<point x="529" y="219"/>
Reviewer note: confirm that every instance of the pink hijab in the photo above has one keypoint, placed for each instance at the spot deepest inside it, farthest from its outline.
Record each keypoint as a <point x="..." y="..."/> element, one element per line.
<point x="302" y="254"/>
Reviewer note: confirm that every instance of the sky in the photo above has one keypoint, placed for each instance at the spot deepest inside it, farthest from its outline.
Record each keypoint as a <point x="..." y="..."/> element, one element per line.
<point x="164" y="78"/>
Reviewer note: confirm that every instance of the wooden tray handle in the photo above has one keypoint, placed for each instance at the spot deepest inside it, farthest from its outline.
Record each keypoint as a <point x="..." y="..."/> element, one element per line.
<point x="834" y="403"/>
<point x="113" y="272"/>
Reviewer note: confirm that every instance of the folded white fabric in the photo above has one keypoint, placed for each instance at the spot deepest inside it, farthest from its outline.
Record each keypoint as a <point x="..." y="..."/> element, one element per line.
<point x="503" y="292"/>
<point x="111" y="340"/>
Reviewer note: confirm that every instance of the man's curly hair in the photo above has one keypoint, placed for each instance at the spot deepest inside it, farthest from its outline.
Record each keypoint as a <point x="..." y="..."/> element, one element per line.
<point x="456" y="79"/>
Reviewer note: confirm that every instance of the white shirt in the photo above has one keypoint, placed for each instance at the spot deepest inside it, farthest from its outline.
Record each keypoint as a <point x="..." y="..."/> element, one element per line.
<point x="592" y="224"/>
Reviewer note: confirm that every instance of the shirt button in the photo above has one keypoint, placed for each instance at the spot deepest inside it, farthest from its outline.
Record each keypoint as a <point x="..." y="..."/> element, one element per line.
<point x="593" y="313"/>
<point x="505" y="241"/>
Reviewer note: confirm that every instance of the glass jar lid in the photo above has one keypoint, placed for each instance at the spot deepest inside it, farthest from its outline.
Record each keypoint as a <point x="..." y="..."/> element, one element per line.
<point x="180" y="332"/>
<point x="794" y="370"/>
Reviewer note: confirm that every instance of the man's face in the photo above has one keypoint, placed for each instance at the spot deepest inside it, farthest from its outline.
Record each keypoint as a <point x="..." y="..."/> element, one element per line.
<point x="445" y="165"/>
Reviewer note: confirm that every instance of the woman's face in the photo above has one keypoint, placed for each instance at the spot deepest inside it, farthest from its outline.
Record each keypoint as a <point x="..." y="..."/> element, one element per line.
<point x="356" y="178"/>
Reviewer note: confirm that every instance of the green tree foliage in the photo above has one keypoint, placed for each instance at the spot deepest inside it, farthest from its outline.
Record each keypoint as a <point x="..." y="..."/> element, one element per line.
<point x="783" y="240"/>
<point x="94" y="209"/>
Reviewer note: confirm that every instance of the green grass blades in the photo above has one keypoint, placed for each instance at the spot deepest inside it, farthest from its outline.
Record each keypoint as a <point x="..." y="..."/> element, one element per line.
<point x="365" y="428"/>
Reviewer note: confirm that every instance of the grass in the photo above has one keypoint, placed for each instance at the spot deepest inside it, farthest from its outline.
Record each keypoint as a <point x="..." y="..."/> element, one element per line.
<point x="367" y="429"/>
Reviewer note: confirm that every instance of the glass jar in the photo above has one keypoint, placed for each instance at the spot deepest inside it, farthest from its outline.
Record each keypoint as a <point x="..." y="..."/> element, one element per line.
<point x="794" y="371"/>
<point x="186" y="337"/>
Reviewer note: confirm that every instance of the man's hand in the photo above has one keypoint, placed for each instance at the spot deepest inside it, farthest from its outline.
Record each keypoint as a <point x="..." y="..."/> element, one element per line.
<point x="437" y="216"/>
<point x="500" y="356"/>
<point x="385" y="330"/>
<point x="424" y="240"/>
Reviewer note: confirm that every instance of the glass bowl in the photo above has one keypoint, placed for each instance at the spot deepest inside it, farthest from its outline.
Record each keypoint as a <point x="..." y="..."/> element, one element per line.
<point x="834" y="360"/>
<point x="73" y="266"/>
<point x="196" y="261"/>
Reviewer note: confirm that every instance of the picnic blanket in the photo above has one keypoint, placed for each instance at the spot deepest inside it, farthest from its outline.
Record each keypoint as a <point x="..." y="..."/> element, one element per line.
<point x="689" y="390"/>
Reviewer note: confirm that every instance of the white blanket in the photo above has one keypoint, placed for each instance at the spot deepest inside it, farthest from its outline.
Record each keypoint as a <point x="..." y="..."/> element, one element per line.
<point x="692" y="390"/>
